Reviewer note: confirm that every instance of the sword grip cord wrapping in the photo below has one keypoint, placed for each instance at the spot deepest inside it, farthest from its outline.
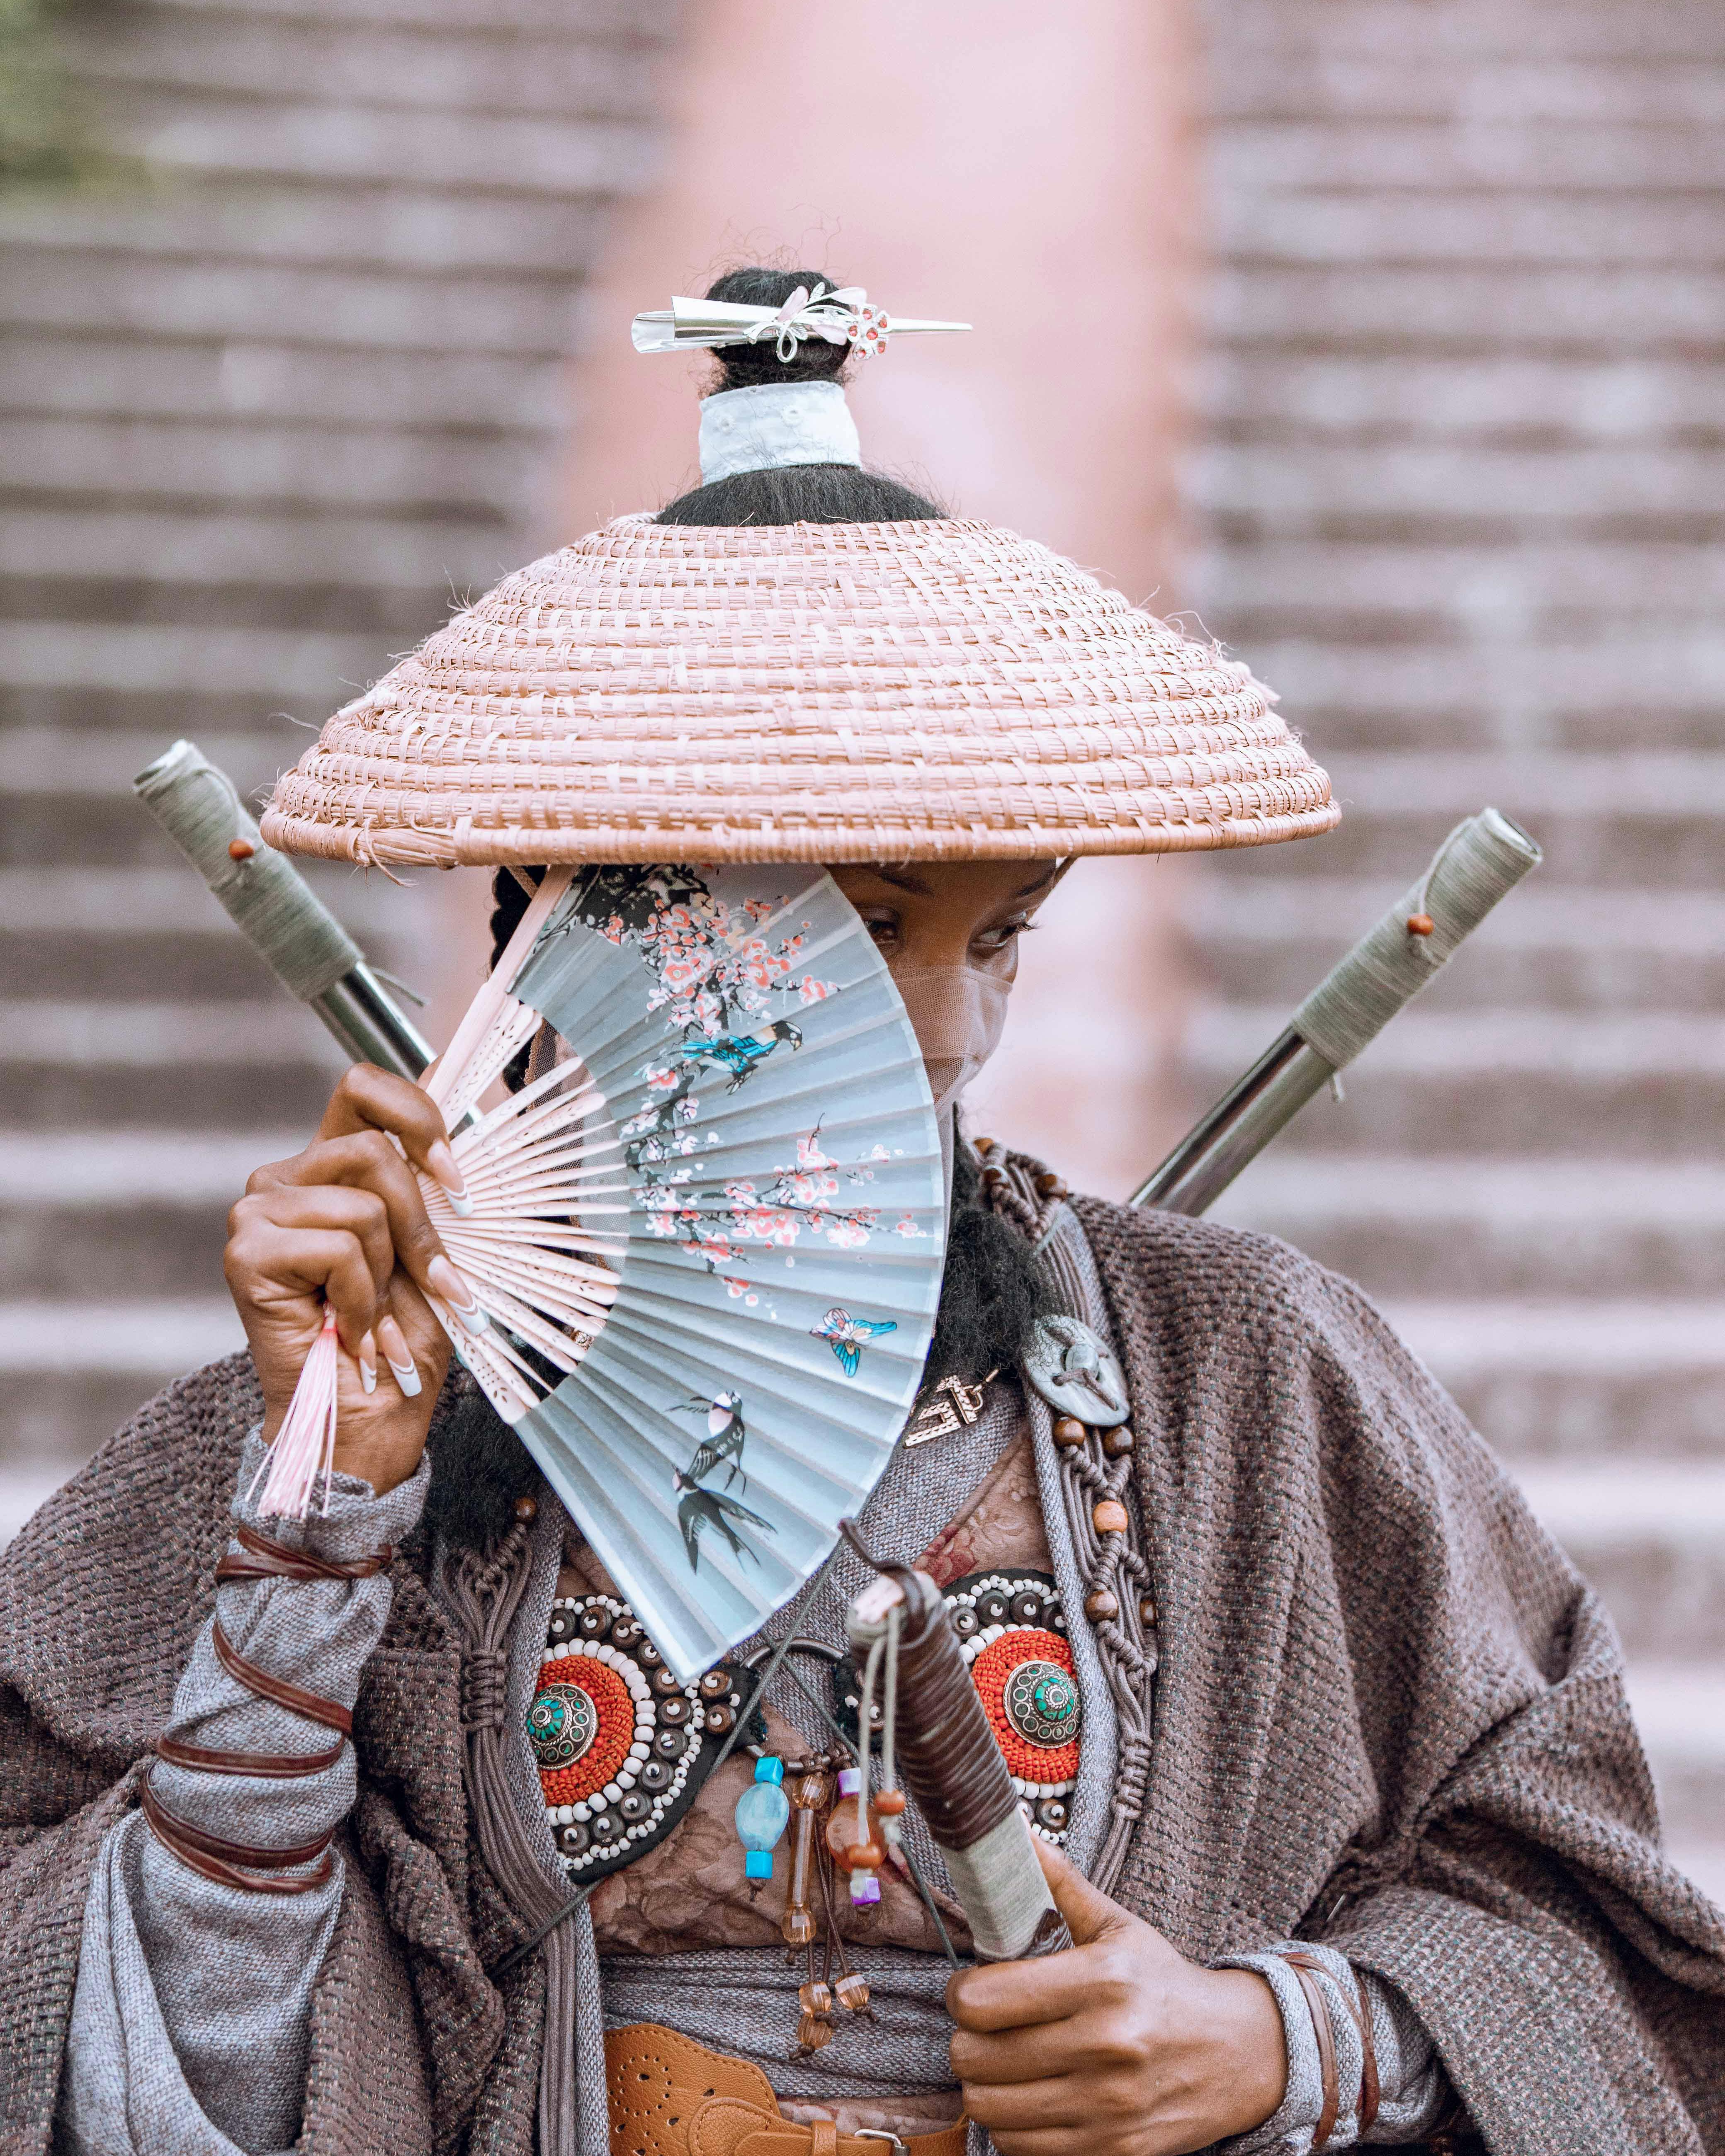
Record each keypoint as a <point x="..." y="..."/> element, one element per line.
<point x="948" y="1759"/>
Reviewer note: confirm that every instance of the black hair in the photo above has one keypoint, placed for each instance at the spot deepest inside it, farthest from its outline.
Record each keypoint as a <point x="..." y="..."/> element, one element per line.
<point x="794" y="494"/>
<point x="993" y="1291"/>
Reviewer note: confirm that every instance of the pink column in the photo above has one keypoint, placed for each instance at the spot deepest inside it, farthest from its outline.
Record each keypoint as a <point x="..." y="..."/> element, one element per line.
<point x="1027" y="169"/>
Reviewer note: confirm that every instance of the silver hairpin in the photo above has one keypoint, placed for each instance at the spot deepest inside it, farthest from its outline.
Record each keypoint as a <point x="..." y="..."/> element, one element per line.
<point x="840" y="316"/>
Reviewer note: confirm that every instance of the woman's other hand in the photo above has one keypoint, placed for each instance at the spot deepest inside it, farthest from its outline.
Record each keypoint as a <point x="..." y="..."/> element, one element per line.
<point x="344" y="1222"/>
<point x="1121" y="2047"/>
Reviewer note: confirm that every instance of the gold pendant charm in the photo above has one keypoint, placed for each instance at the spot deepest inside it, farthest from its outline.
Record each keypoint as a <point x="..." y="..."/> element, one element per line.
<point x="962" y="1407"/>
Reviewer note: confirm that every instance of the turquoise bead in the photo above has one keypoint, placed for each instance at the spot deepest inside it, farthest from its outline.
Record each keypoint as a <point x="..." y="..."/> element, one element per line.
<point x="763" y="1811"/>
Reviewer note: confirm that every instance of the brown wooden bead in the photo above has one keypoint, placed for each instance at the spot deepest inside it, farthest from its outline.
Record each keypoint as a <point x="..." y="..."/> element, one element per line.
<point x="1049" y="1185"/>
<point x="715" y="1684"/>
<point x="1420" y="924"/>
<point x="718" y="1720"/>
<point x="889" y="1802"/>
<point x="1146" y="1610"/>
<point x="1069" y="1431"/>
<point x="985" y="1145"/>
<point x="527" y="1510"/>
<point x="240" y="849"/>
<point x="1101" y="1603"/>
<point x="1119" y="1441"/>
<point x="1110" y="1518"/>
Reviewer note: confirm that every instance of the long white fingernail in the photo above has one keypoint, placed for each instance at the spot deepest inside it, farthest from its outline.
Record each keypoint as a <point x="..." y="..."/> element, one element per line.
<point x="457" y="1293"/>
<point x="408" y="1377"/>
<point x="368" y="1361"/>
<point x="441" y="1161"/>
<point x="399" y="1356"/>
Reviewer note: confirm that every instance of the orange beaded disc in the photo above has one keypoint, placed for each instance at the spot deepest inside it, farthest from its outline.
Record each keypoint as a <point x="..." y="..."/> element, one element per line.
<point x="992" y="1672"/>
<point x="615" y="1712"/>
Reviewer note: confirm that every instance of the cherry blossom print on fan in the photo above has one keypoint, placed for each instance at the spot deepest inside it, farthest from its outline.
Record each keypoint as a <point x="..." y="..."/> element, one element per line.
<point x="707" y="1242"/>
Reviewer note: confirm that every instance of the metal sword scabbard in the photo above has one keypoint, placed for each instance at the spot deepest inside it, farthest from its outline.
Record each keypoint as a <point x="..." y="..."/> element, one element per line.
<point x="277" y="911"/>
<point x="1480" y="862"/>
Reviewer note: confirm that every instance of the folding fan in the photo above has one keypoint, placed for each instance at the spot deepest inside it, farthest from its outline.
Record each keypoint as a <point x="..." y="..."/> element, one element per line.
<point x="708" y="1242"/>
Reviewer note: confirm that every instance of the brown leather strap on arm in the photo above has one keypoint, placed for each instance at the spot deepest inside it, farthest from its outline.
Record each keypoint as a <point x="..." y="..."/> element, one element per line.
<point x="262" y="1558"/>
<point x="214" y="1859"/>
<point x="1308" y="1967"/>
<point x="267" y="1766"/>
<point x="330" y="1712"/>
<point x="1369" y="2092"/>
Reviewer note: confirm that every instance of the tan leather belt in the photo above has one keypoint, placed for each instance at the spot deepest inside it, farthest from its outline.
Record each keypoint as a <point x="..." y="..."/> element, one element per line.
<point x="671" y="2097"/>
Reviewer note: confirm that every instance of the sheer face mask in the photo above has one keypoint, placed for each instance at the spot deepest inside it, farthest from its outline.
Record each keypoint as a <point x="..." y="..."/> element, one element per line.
<point x="958" y="1013"/>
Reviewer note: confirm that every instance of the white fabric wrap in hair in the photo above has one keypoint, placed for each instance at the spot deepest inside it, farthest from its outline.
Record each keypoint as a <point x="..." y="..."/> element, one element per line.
<point x="773" y="424"/>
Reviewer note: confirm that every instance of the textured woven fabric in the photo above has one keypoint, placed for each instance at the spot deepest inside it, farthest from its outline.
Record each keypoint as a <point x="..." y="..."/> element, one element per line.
<point x="932" y="690"/>
<point x="192" y="2013"/>
<point x="1379" y="1680"/>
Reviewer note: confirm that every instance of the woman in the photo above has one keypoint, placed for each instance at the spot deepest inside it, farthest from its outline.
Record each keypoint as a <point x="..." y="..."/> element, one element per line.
<point x="1359" y="1841"/>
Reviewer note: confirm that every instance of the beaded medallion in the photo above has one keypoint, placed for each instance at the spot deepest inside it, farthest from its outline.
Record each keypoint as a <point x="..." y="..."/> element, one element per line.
<point x="622" y="1748"/>
<point x="1014" y="1634"/>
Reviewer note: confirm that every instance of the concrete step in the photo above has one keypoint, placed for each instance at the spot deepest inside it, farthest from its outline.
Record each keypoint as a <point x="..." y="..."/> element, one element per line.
<point x="1415" y="1227"/>
<point x="71" y="1372"/>
<point x="1613" y="821"/>
<point x="1604" y="597"/>
<point x="47" y="292"/>
<point x="257" y="561"/>
<point x="1478" y="232"/>
<point x="1337" y="395"/>
<point x="1262" y="938"/>
<point x="643" y="21"/>
<point x="1323" y="83"/>
<point x="86" y="1215"/>
<point x="313" y="223"/>
<point x="168" y="1067"/>
<point x="112" y="369"/>
<point x="1275" y="156"/>
<point x="122" y="658"/>
<point x="306" y="467"/>
<point x="1569" y="1381"/>
<point x="1377" y="693"/>
<point x="1680" y="1710"/>
<point x="455" y="68"/>
<point x="1499" y="1083"/>
<point x="1629" y="31"/>
<point x="127" y="904"/>
<point x="333" y="140"/>
<point x="1650" y="1536"/>
<point x="1290" y="488"/>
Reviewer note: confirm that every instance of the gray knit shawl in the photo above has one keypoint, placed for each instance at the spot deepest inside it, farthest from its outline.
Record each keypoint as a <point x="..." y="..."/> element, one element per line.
<point x="1389" y="1714"/>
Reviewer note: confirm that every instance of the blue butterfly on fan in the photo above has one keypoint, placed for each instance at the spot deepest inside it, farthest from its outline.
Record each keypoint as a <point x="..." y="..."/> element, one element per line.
<point x="847" y="1336"/>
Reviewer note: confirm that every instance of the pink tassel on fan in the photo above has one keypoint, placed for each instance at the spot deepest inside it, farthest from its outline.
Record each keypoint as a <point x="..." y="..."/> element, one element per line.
<point x="305" y="1444"/>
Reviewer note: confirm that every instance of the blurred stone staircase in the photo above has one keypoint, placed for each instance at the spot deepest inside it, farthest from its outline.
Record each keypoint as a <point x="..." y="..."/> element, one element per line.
<point x="1461" y="485"/>
<point x="263" y="415"/>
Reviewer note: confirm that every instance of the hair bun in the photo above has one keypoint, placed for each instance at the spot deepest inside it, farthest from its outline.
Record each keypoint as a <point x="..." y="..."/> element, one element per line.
<point x="745" y="366"/>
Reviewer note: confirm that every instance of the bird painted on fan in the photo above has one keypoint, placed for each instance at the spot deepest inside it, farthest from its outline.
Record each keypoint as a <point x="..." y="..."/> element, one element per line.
<point x="700" y="1509"/>
<point x="847" y="1336"/>
<point x="739" y="1054"/>
<point x="726" y="1433"/>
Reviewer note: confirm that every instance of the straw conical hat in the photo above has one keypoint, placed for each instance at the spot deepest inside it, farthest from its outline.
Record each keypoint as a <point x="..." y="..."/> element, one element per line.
<point x="921" y="690"/>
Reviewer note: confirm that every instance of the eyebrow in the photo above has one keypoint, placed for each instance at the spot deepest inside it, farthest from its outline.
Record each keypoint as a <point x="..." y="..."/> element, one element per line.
<point x="902" y="880"/>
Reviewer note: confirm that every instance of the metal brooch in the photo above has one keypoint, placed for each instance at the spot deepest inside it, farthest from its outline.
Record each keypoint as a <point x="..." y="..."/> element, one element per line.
<point x="1075" y="1374"/>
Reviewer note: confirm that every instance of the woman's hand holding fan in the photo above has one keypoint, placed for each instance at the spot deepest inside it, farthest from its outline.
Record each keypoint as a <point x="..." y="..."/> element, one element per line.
<point x="329" y="1256"/>
<point x="693" y="1262"/>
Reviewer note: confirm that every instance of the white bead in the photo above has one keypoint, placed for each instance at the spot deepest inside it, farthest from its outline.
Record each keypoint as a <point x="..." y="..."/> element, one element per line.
<point x="582" y="1811"/>
<point x="612" y="1792"/>
<point x="625" y="1777"/>
<point x="638" y="1751"/>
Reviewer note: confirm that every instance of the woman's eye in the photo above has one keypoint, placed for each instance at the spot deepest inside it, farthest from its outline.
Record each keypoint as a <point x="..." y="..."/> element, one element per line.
<point x="882" y="926"/>
<point x="998" y="938"/>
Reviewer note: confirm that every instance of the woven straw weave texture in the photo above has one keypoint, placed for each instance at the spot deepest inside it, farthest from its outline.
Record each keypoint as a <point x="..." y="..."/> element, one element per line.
<point x="904" y="691"/>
